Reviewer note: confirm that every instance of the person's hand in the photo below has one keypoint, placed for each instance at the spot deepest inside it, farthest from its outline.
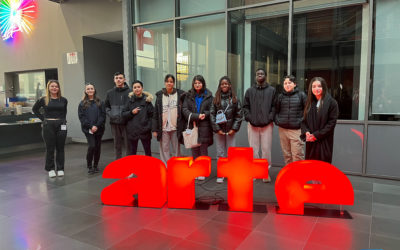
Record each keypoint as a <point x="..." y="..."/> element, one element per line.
<point x="202" y="116"/>
<point x="155" y="134"/>
<point x="231" y="132"/>
<point x="94" y="129"/>
<point x="220" y="132"/>
<point x="310" y="137"/>
<point x="135" y="110"/>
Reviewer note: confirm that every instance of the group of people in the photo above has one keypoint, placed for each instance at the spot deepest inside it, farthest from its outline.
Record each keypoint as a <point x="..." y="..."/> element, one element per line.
<point x="302" y="119"/>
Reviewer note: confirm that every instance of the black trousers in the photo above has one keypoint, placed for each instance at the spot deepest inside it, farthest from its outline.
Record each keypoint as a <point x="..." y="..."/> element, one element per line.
<point x="54" y="139"/>
<point x="120" y="138"/>
<point x="146" y="146"/>
<point x="94" y="148"/>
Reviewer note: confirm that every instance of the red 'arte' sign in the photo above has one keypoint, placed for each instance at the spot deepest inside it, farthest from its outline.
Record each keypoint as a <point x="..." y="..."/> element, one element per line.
<point x="297" y="183"/>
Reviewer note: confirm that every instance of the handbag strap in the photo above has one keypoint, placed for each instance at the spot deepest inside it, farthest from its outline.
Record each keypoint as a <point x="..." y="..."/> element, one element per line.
<point x="189" y="121"/>
<point x="227" y="106"/>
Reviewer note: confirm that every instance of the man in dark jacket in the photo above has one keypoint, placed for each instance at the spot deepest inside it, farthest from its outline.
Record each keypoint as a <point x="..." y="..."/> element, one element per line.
<point x="289" y="109"/>
<point x="259" y="112"/>
<point x="115" y="102"/>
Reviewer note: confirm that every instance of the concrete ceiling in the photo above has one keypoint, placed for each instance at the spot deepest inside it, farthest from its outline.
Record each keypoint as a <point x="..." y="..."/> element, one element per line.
<point x="115" y="36"/>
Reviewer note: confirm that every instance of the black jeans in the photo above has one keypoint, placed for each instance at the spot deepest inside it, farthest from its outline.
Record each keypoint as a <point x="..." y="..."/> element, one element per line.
<point x="146" y="146"/>
<point x="54" y="139"/>
<point x="120" y="138"/>
<point x="201" y="150"/>
<point x="94" y="148"/>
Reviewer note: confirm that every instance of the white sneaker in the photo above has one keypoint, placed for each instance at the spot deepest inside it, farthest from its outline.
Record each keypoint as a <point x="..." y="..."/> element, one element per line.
<point x="267" y="180"/>
<point x="220" y="180"/>
<point x="60" y="173"/>
<point x="201" y="178"/>
<point x="52" y="174"/>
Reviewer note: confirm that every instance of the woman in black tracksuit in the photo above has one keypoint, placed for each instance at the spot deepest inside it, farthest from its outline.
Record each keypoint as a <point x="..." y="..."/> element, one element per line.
<point x="92" y="115"/>
<point x="138" y="112"/>
<point x="54" y="126"/>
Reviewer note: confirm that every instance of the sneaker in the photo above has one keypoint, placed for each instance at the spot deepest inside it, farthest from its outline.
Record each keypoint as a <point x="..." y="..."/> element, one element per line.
<point x="220" y="180"/>
<point x="267" y="180"/>
<point x="96" y="169"/>
<point x="60" y="173"/>
<point x="52" y="174"/>
<point x="201" y="178"/>
<point x="90" y="171"/>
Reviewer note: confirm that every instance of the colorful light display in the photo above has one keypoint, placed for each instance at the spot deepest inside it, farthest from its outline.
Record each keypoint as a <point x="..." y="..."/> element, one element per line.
<point x="16" y="16"/>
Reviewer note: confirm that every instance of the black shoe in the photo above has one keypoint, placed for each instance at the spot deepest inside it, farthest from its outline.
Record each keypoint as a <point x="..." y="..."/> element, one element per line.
<point x="96" y="170"/>
<point x="90" y="170"/>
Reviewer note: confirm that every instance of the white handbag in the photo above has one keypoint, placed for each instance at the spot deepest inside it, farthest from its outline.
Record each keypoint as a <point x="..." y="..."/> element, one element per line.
<point x="220" y="117"/>
<point x="190" y="136"/>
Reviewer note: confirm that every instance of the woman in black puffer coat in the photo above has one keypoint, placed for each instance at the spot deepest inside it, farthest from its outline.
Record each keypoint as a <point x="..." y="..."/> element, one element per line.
<point x="225" y="102"/>
<point x="289" y="109"/>
<point x="139" y="113"/>
<point x="198" y="102"/>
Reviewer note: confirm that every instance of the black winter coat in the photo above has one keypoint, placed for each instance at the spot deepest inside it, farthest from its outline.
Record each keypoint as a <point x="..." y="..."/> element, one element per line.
<point x="259" y="105"/>
<point x="91" y="116"/>
<point x="115" y="102"/>
<point x="289" y="109"/>
<point x="157" y="116"/>
<point x="233" y="114"/>
<point x="189" y="106"/>
<point x="322" y="125"/>
<point x="139" y="125"/>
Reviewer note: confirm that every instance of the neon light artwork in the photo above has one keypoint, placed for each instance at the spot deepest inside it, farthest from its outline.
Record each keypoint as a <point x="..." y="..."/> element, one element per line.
<point x="16" y="16"/>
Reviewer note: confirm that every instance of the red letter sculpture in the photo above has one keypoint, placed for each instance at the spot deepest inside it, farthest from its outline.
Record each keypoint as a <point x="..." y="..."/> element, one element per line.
<point x="181" y="174"/>
<point x="150" y="184"/>
<point x="240" y="168"/>
<point x="292" y="190"/>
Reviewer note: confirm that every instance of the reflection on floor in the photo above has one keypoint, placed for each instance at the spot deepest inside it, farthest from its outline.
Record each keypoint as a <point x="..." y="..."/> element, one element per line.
<point x="66" y="213"/>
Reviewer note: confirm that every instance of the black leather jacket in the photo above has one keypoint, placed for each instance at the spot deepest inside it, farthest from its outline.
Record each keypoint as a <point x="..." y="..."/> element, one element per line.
<point x="233" y="115"/>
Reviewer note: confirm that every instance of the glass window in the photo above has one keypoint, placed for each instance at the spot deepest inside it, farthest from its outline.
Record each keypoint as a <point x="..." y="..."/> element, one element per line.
<point x="191" y="7"/>
<point x="385" y="91"/>
<point x="31" y="86"/>
<point x="308" y="5"/>
<point x="154" y="57"/>
<point x="258" y="38"/>
<point x="154" y="10"/>
<point x="201" y="50"/>
<point x="237" y="3"/>
<point x="327" y="43"/>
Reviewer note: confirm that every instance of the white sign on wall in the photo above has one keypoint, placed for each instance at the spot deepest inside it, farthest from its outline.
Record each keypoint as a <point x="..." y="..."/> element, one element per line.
<point x="72" y="58"/>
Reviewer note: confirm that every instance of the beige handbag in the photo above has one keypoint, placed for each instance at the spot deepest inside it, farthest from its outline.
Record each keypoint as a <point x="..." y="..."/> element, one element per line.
<point x="190" y="136"/>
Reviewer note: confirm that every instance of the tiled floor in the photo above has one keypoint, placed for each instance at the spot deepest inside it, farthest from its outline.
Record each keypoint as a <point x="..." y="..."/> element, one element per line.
<point x="66" y="213"/>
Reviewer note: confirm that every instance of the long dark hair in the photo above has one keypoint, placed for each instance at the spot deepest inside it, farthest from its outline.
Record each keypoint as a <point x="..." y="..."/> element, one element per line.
<point x="310" y="95"/>
<point x="169" y="76"/>
<point x="231" y="92"/>
<point x="86" y="100"/>
<point x="201" y="79"/>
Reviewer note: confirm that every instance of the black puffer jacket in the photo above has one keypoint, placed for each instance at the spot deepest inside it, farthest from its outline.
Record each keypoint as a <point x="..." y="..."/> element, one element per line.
<point x="289" y="108"/>
<point x="233" y="114"/>
<point x="157" y="117"/>
<point x="92" y="115"/>
<point x="139" y="126"/>
<point x="115" y="102"/>
<point x="258" y="105"/>
<point x="189" y="106"/>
